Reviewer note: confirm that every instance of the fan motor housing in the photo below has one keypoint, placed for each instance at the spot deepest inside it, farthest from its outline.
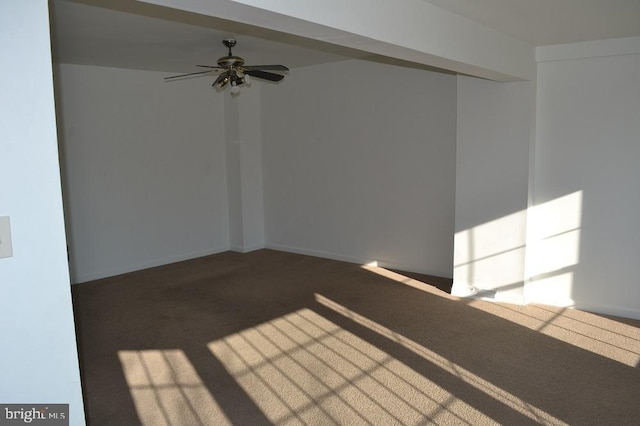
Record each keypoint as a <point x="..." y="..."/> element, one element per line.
<point x="230" y="62"/>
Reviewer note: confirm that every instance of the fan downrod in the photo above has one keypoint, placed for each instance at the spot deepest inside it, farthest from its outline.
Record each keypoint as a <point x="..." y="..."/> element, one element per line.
<point x="229" y="43"/>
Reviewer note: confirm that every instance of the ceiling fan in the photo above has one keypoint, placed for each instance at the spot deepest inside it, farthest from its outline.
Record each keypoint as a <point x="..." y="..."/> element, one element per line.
<point x="234" y="72"/>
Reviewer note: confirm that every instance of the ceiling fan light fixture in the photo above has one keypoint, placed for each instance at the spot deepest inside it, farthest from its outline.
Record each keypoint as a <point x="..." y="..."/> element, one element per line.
<point x="223" y="82"/>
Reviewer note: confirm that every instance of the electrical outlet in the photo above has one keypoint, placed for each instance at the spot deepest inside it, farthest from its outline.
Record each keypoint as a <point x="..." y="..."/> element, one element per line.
<point x="5" y="237"/>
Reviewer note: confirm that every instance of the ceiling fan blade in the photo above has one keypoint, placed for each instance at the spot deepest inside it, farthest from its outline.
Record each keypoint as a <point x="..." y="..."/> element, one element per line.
<point x="264" y="75"/>
<point x="210" y="66"/>
<point x="186" y="75"/>
<point x="266" y="67"/>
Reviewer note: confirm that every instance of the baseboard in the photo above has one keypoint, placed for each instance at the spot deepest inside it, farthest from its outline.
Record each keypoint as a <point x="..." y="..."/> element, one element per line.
<point x="82" y="278"/>
<point x="616" y="311"/>
<point x="242" y="249"/>
<point x="466" y="291"/>
<point x="318" y="253"/>
<point x="357" y="260"/>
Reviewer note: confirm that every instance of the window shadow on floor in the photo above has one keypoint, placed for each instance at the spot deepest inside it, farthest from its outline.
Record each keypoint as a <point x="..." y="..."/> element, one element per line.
<point x="250" y="321"/>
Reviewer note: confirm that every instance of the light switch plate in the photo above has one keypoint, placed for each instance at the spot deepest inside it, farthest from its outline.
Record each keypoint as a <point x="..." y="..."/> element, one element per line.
<point x="5" y="237"/>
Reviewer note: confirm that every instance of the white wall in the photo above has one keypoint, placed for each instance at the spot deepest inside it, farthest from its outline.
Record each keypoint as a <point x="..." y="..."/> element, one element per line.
<point x="144" y="169"/>
<point x="244" y="169"/>
<point x="359" y="164"/>
<point x="588" y="145"/>
<point x="39" y="358"/>
<point x="579" y="178"/>
<point x="492" y="180"/>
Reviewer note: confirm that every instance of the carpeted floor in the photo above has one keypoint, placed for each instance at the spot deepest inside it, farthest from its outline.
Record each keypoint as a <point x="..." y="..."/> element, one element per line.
<point x="278" y="338"/>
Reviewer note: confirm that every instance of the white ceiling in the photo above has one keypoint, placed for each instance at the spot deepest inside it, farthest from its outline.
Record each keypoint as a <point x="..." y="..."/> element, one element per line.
<point x="546" y="22"/>
<point x="141" y="36"/>
<point x="130" y="34"/>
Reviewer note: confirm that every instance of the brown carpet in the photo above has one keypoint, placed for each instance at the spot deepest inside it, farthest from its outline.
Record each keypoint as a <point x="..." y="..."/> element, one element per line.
<point x="278" y="338"/>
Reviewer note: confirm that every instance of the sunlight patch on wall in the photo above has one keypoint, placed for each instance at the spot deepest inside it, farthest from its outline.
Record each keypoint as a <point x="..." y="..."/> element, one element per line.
<point x="553" y="248"/>
<point x="167" y="390"/>
<point x="467" y="376"/>
<point x="302" y="368"/>
<point x="609" y="338"/>
<point x="491" y="257"/>
<point x="523" y="257"/>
